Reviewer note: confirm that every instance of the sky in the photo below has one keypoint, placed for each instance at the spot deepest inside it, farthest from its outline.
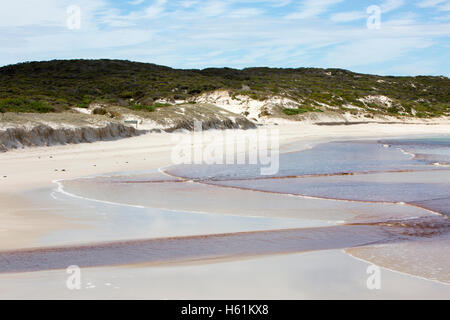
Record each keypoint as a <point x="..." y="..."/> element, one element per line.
<point x="385" y="37"/>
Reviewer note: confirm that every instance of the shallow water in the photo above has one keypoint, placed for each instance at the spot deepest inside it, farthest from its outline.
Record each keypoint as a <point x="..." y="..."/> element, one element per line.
<point x="324" y="159"/>
<point x="433" y="150"/>
<point x="383" y="171"/>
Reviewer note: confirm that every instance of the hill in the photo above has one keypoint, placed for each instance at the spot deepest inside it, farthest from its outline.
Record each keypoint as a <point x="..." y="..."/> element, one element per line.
<point x="55" y="86"/>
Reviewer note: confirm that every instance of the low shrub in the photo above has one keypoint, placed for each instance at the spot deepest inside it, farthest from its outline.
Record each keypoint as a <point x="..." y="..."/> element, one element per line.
<point x="24" y="105"/>
<point x="100" y="111"/>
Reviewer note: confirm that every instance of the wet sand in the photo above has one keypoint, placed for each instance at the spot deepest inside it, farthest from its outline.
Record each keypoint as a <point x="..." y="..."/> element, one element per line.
<point x="22" y="224"/>
<point x="426" y="258"/>
<point x="276" y="277"/>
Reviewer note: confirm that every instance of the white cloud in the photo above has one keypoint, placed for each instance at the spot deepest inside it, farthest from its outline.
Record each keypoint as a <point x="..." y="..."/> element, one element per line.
<point x="136" y="2"/>
<point x="386" y="6"/>
<point x="430" y="3"/>
<point x="21" y="13"/>
<point x="391" y="5"/>
<point x="440" y="5"/>
<point x="114" y="18"/>
<point x="155" y="9"/>
<point x="348" y="16"/>
<point x="188" y="3"/>
<point x="312" y="8"/>
<point x="212" y="8"/>
<point x="245" y="13"/>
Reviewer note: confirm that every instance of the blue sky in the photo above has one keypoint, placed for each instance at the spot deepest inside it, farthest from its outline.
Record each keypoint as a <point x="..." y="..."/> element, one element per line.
<point x="413" y="35"/>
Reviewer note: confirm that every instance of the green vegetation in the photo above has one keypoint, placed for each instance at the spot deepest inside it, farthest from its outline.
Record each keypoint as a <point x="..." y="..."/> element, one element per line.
<point x="149" y="108"/>
<point x="58" y="85"/>
<point x="85" y="102"/>
<point x="161" y="105"/>
<point x="24" y="105"/>
<point x="293" y="112"/>
<point x="393" y="110"/>
<point x="140" y="107"/>
<point x="300" y="110"/>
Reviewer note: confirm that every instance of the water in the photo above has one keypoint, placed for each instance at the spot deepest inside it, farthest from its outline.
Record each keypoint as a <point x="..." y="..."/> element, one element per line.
<point x="431" y="150"/>
<point x="402" y="170"/>
<point x="324" y="159"/>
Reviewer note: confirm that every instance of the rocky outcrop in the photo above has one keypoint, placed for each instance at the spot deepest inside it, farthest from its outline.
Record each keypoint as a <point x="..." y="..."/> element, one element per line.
<point x="43" y="135"/>
<point x="217" y="124"/>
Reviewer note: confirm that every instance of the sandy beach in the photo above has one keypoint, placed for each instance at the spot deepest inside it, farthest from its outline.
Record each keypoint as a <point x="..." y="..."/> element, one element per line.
<point x="32" y="216"/>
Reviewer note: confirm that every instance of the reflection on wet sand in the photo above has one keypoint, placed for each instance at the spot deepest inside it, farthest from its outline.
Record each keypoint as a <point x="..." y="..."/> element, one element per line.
<point x="208" y="247"/>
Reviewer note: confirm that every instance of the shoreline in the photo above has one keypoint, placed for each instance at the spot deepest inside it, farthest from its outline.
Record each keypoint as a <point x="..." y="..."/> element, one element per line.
<point x="396" y="271"/>
<point x="136" y="151"/>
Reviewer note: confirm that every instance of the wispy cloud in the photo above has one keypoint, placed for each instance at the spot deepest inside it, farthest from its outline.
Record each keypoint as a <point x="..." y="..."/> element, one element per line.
<point x="136" y="2"/>
<point x="430" y="3"/>
<point x="386" y="7"/>
<point x="391" y="5"/>
<point x="312" y="8"/>
<point x="348" y="16"/>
